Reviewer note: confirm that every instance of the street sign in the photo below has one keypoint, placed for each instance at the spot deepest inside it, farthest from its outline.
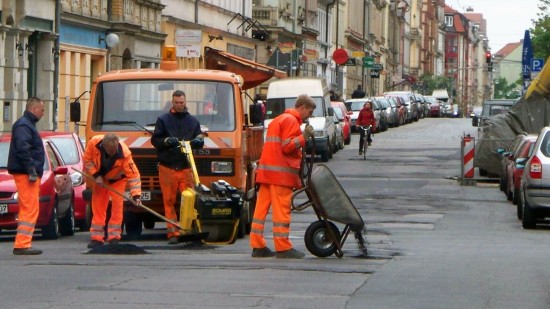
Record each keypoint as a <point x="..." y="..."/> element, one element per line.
<point x="340" y="56"/>
<point x="368" y="62"/>
<point x="358" y="54"/>
<point x="377" y="66"/>
<point x="375" y="74"/>
<point x="350" y="62"/>
<point x="537" y="64"/>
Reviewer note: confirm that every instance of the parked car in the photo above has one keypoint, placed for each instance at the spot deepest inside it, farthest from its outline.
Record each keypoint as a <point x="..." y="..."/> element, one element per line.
<point x="494" y="107"/>
<point x="515" y="171"/>
<point x="72" y="150"/>
<point x="339" y="132"/>
<point x="56" y="214"/>
<point x="390" y="112"/>
<point x="409" y="101"/>
<point x="395" y="110"/>
<point x="380" y="115"/>
<point x="507" y="156"/>
<point x="344" y="117"/>
<point x="421" y="105"/>
<point x="434" y="105"/>
<point x="401" y="108"/>
<point x="534" y="191"/>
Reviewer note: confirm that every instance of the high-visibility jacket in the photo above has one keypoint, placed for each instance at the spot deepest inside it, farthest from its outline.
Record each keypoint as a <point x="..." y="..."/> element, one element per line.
<point x="123" y="166"/>
<point x="282" y="154"/>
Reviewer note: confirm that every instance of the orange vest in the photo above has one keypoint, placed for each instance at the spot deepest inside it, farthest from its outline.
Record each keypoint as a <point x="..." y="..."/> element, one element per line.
<point x="282" y="154"/>
<point x="124" y="166"/>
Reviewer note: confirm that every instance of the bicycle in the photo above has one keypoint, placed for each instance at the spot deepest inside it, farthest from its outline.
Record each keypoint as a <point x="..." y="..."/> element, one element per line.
<point x="365" y="140"/>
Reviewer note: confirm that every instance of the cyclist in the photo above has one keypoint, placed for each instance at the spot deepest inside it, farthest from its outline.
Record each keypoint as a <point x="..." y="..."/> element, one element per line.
<point x="366" y="118"/>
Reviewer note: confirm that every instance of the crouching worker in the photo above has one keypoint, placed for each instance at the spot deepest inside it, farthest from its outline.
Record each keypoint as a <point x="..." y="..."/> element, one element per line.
<point x="110" y="162"/>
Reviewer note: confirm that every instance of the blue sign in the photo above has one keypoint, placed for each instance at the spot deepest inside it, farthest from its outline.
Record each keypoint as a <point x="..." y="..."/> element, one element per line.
<point x="537" y="64"/>
<point x="527" y="56"/>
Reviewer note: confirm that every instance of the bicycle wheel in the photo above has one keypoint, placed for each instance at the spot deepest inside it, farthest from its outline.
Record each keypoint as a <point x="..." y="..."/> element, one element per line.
<point x="365" y="146"/>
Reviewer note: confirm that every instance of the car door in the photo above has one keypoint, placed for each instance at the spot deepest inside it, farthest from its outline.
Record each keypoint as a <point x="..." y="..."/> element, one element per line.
<point x="62" y="179"/>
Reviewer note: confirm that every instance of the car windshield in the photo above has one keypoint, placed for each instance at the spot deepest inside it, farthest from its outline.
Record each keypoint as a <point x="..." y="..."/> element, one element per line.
<point x="355" y="105"/>
<point x="67" y="148"/>
<point x="338" y="112"/>
<point x="135" y="105"/>
<point x="498" y="109"/>
<point x="276" y="106"/>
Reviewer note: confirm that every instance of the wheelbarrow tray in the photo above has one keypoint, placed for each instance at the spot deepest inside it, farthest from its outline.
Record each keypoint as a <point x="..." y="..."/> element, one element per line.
<point x="330" y="200"/>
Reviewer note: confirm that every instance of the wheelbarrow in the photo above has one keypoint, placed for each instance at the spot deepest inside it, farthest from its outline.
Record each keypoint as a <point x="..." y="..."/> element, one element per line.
<point x="331" y="204"/>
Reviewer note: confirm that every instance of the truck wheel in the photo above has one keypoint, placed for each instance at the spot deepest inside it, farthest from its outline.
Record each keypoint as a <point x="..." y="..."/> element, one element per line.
<point x="149" y="224"/>
<point x="133" y="225"/>
<point x="318" y="240"/>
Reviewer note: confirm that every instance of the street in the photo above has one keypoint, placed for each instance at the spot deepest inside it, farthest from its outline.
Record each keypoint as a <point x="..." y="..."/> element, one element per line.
<point x="432" y="244"/>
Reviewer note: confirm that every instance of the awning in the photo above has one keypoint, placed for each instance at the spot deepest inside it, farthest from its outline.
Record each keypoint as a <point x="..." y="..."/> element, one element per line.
<point x="253" y="73"/>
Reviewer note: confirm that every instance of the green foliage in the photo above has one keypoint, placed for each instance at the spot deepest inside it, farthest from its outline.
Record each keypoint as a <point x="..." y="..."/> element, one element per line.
<point x="540" y="33"/>
<point x="436" y="82"/>
<point x="503" y="90"/>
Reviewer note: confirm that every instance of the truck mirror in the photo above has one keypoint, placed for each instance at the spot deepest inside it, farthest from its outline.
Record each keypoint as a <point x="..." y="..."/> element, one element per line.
<point x="74" y="109"/>
<point x="255" y="113"/>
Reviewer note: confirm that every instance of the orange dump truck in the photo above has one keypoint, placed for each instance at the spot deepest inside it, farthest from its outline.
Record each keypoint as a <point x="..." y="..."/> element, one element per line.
<point x="128" y="102"/>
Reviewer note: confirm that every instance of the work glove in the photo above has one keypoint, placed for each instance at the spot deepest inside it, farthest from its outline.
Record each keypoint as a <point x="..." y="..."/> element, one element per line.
<point x="197" y="142"/>
<point x="171" y="141"/>
<point x="33" y="177"/>
<point x="309" y="132"/>
<point x="137" y="199"/>
<point x="99" y="180"/>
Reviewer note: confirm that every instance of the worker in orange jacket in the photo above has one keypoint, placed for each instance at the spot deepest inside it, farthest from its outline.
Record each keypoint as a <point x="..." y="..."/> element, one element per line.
<point x="109" y="162"/>
<point x="278" y="175"/>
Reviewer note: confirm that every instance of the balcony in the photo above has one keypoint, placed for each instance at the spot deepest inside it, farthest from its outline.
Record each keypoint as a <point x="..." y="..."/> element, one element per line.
<point x="414" y="34"/>
<point x="266" y="15"/>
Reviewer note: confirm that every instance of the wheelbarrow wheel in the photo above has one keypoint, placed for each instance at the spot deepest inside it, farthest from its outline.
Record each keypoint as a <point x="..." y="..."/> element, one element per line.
<point x="318" y="240"/>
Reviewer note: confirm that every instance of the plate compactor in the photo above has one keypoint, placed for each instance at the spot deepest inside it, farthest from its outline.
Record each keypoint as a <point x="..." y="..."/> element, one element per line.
<point x="213" y="211"/>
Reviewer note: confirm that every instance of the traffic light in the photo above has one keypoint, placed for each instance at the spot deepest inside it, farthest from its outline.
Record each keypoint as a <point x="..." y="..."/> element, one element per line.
<point x="488" y="57"/>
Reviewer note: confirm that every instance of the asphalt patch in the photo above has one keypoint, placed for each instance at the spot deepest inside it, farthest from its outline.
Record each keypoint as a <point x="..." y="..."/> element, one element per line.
<point x="122" y="249"/>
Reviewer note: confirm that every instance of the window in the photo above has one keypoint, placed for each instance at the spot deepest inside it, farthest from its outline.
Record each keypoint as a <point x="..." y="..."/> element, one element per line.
<point x="449" y="20"/>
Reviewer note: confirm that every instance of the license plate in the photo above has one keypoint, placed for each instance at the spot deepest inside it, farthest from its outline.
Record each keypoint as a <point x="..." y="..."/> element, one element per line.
<point x="3" y="208"/>
<point x="145" y="195"/>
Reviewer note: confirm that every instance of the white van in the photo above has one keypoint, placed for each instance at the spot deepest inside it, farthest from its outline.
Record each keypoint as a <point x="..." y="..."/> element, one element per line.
<point x="282" y="95"/>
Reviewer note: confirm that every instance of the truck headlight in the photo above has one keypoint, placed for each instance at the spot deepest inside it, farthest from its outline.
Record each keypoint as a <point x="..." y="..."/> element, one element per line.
<point x="221" y="167"/>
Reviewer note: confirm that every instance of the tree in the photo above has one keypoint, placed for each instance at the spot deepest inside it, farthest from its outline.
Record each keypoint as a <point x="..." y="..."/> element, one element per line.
<point x="431" y="83"/>
<point x="541" y="31"/>
<point x="503" y="90"/>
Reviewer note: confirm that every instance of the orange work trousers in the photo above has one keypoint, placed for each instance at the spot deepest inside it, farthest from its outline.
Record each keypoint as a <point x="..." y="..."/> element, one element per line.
<point x="279" y="197"/>
<point x="172" y="181"/>
<point x="100" y="202"/>
<point x="29" y="206"/>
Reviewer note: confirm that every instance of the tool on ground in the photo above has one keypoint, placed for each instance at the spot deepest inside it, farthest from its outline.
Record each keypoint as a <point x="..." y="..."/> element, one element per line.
<point x="106" y="186"/>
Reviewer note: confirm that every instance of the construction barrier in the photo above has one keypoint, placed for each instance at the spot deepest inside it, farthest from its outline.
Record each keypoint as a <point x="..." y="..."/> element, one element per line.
<point x="468" y="151"/>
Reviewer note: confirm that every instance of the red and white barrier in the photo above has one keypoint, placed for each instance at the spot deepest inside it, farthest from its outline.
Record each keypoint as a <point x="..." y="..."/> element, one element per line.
<point x="468" y="156"/>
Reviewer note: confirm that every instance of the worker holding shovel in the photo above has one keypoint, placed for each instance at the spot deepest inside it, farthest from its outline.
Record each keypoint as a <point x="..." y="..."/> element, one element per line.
<point x="111" y="165"/>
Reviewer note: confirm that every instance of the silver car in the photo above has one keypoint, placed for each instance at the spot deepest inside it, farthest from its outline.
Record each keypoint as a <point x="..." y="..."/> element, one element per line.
<point x="534" y="195"/>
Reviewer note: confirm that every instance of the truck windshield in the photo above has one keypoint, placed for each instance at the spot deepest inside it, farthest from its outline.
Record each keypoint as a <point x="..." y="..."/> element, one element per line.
<point x="135" y="105"/>
<point x="275" y="107"/>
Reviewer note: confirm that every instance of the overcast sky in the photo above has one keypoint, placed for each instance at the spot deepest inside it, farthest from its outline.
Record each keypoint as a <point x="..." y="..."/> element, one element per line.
<point x="507" y="20"/>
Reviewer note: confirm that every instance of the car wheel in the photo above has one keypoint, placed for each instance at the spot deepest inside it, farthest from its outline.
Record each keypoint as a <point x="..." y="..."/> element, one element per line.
<point x="51" y="230"/>
<point x="528" y="219"/>
<point x="520" y="205"/>
<point x="324" y="156"/>
<point x="149" y="224"/>
<point x="88" y="219"/>
<point x="67" y="224"/>
<point x="515" y="198"/>
<point x="330" y="149"/>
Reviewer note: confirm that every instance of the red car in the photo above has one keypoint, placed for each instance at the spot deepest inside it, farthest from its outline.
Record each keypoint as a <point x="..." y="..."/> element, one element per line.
<point x="515" y="169"/>
<point x="345" y="118"/>
<point x="56" y="215"/>
<point x="401" y="108"/>
<point x="72" y="151"/>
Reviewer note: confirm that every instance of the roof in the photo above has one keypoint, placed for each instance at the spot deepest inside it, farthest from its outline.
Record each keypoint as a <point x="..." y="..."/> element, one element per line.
<point x="507" y="49"/>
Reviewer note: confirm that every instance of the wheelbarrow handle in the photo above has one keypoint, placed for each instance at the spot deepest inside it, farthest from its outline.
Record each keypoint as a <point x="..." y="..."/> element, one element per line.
<point x="303" y="205"/>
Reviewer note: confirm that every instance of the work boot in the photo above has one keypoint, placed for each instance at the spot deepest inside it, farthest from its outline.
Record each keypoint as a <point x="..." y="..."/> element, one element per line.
<point x="173" y="240"/>
<point x="369" y="143"/>
<point x="360" y="152"/>
<point x="262" y="252"/>
<point x="26" y="251"/>
<point x="94" y="243"/>
<point x="290" y="254"/>
<point x="113" y="241"/>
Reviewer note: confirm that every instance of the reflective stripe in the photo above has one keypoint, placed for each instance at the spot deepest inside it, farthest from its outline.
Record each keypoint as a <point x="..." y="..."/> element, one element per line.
<point x="114" y="233"/>
<point x="115" y="226"/>
<point x="279" y="169"/>
<point x="96" y="233"/>
<point x="281" y="224"/>
<point x="256" y="231"/>
<point x="286" y="141"/>
<point x="258" y="221"/>
<point x="280" y="235"/>
<point x="297" y="142"/>
<point x="171" y="229"/>
<point x="24" y="232"/>
<point x="96" y="227"/>
<point x="273" y="139"/>
<point x="27" y="224"/>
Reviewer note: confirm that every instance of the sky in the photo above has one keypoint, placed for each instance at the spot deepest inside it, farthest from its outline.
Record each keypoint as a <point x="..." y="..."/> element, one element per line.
<point x="507" y="20"/>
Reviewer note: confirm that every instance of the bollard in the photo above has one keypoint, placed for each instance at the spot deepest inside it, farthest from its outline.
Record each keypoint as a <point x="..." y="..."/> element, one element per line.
<point x="467" y="158"/>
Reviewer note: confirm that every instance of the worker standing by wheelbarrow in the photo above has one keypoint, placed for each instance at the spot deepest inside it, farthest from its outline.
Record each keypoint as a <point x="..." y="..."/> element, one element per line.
<point x="278" y="175"/>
